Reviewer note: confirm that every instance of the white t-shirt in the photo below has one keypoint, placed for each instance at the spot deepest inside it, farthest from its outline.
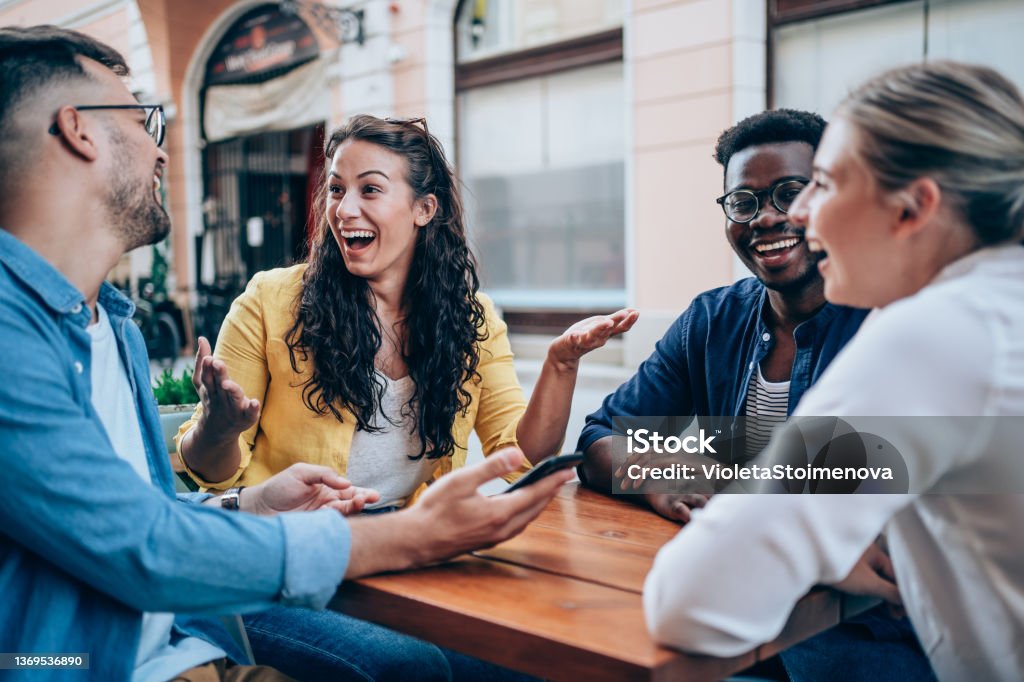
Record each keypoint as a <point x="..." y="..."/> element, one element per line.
<point x="380" y="459"/>
<point x="157" y="658"/>
<point x="729" y="580"/>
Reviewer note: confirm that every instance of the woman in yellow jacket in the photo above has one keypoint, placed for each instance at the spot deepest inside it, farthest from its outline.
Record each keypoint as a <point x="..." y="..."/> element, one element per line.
<point x="379" y="355"/>
<point x="386" y="308"/>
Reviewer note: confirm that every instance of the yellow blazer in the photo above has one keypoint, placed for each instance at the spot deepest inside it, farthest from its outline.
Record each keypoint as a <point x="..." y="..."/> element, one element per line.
<point x="251" y="343"/>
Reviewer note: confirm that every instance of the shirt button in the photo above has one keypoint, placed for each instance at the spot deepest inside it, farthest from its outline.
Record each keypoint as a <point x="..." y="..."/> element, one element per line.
<point x="78" y="367"/>
<point x="77" y="308"/>
<point x="766" y="336"/>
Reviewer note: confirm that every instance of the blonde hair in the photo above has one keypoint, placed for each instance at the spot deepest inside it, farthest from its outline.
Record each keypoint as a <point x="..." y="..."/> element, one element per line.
<point x="959" y="124"/>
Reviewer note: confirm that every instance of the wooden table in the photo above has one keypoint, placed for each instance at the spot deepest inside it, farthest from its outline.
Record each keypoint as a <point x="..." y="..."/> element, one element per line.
<point x="562" y="601"/>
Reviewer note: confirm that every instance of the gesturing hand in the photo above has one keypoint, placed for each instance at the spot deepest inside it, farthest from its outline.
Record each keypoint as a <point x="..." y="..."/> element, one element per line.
<point x="589" y="334"/>
<point x="227" y="411"/>
<point x="306" y="487"/>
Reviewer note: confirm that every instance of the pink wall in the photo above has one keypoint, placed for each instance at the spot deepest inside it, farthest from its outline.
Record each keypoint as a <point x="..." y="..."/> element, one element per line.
<point x="682" y="86"/>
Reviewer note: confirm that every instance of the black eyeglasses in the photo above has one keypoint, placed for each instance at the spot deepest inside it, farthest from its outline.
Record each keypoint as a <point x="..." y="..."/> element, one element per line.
<point x="743" y="205"/>
<point x="156" y="123"/>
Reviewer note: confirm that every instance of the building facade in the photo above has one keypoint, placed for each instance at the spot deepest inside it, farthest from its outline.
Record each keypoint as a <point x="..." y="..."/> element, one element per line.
<point x="583" y="130"/>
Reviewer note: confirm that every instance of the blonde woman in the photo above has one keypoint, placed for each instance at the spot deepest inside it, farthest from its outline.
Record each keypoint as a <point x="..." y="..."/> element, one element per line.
<point x="917" y="200"/>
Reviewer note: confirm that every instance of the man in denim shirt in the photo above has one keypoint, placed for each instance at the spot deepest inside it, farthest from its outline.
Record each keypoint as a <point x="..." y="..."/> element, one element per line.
<point x="758" y="333"/>
<point x="735" y="349"/>
<point x="89" y="545"/>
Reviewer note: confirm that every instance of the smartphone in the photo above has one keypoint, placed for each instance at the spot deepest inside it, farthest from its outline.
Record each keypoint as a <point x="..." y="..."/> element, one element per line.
<point x="546" y="467"/>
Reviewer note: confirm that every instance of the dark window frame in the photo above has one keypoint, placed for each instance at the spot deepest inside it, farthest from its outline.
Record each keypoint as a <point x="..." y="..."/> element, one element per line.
<point x="782" y="12"/>
<point x="546" y="322"/>
<point x="588" y="50"/>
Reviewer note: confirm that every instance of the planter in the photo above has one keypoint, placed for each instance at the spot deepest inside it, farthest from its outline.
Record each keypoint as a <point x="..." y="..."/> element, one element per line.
<point x="171" y="419"/>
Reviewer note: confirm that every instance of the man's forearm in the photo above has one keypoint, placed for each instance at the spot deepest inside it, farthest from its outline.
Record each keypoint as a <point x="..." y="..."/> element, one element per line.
<point x="385" y="542"/>
<point x="596" y="470"/>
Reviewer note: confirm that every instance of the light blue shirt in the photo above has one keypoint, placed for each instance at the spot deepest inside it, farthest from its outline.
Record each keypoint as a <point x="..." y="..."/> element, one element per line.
<point x="86" y="545"/>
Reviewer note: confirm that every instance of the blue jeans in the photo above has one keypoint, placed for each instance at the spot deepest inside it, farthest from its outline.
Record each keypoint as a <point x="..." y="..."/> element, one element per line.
<point x="868" y="648"/>
<point x="325" y="645"/>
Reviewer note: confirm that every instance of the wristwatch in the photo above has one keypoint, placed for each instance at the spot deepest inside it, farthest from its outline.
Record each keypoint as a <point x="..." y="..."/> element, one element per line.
<point x="231" y="499"/>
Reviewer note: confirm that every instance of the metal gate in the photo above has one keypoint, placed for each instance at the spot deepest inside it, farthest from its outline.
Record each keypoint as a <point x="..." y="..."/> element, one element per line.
<point x="257" y="191"/>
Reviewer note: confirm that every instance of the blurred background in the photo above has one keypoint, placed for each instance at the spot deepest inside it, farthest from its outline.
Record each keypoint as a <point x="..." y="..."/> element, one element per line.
<point x="582" y="129"/>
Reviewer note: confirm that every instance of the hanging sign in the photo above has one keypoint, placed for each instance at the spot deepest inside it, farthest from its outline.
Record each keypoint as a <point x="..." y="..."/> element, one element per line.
<point x="262" y="40"/>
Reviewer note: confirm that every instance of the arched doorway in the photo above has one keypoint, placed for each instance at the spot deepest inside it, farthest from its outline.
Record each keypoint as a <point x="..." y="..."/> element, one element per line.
<point x="262" y="112"/>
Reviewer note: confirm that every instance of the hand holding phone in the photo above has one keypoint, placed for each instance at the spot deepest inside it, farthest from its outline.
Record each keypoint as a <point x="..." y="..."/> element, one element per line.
<point x="546" y="467"/>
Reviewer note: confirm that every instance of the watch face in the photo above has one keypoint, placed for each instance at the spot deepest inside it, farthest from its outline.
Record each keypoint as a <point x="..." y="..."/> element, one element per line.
<point x="230" y="499"/>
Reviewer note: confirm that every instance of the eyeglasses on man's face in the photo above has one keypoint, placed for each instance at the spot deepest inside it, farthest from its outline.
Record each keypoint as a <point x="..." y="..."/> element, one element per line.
<point x="156" y="123"/>
<point x="743" y="205"/>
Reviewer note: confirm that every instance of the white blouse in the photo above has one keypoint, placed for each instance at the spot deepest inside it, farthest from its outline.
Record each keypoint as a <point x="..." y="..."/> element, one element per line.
<point x="728" y="581"/>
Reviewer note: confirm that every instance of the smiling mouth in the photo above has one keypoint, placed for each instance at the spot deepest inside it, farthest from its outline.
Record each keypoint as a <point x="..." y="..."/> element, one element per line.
<point x="778" y="246"/>
<point x="357" y="240"/>
<point x="156" y="187"/>
<point x="818" y="252"/>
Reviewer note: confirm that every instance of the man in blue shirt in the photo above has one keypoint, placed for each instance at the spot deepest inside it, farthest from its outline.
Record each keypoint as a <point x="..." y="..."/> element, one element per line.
<point x="750" y="349"/>
<point x="91" y="553"/>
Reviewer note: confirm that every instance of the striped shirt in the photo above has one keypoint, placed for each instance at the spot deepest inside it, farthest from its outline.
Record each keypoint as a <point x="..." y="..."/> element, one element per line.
<point x="767" y="407"/>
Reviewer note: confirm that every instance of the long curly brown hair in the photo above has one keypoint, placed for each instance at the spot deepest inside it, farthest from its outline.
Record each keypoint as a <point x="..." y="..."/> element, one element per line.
<point x="336" y="322"/>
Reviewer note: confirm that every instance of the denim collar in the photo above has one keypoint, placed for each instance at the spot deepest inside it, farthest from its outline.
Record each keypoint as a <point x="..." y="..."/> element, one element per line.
<point x="824" y="314"/>
<point x="114" y="302"/>
<point x="52" y="287"/>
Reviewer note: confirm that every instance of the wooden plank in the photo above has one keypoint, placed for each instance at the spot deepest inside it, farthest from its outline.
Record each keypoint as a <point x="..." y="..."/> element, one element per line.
<point x="593" y="558"/>
<point x="592" y="537"/>
<point x="561" y="601"/>
<point x="546" y="625"/>
<point x="579" y="510"/>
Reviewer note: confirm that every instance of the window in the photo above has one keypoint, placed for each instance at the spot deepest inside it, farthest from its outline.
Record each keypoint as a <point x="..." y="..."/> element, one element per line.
<point x="486" y="28"/>
<point x="541" y="149"/>
<point x="817" y="62"/>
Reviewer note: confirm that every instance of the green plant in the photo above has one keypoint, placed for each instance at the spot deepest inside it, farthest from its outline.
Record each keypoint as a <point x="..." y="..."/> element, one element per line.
<point x="171" y="390"/>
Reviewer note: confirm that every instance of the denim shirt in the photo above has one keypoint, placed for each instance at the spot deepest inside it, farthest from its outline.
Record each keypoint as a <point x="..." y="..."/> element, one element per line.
<point x="704" y="363"/>
<point x="86" y="545"/>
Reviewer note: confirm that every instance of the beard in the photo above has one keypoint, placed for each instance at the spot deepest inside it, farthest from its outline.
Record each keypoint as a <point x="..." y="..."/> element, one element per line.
<point x="802" y="280"/>
<point x="134" y="212"/>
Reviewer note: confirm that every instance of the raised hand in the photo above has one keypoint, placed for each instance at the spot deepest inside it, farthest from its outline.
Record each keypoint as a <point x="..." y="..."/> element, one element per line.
<point x="589" y="334"/>
<point x="227" y="411"/>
